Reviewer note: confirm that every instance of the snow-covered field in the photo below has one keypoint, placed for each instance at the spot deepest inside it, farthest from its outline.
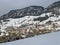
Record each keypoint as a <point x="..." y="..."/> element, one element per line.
<point x="47" y="39"/>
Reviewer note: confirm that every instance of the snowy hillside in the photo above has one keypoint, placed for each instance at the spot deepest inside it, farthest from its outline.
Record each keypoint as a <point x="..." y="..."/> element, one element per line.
<point x="17" y="22"/>
<point x="47" y="39"/>
<point x="28" y="20"/>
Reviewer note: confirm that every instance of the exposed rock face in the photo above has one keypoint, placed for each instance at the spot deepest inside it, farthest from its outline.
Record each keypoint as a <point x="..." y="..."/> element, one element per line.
<point x="28" y="11"/>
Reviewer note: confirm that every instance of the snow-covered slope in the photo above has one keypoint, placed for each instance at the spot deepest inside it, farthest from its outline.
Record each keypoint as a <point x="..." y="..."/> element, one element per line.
<point x="19" y="21"/>
<point x="47" y="39"/>
<point x="30" y="20"/>
<point x="53" y="19"/>
<point x="27" y="20"/>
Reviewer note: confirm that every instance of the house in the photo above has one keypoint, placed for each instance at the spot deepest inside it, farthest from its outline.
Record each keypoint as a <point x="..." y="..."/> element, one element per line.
<point x="23" y="33"/>
<point x="49" y="28"/>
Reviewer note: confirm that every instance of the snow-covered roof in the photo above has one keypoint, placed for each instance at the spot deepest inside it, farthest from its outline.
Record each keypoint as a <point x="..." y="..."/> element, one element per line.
<point x="47" y="39"/>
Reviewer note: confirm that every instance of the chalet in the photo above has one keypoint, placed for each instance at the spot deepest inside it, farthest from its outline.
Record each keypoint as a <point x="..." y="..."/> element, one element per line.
<point x="23" y="33"/>
<point x="49" y="28"/>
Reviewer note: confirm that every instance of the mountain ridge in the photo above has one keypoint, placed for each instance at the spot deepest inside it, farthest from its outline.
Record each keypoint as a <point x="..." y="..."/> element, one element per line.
<point x="27" y="11"/>
<point x="54" y="7"/>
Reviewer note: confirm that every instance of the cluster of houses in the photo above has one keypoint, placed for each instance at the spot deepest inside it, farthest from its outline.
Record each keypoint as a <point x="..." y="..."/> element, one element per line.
<point x="15" y="33"/>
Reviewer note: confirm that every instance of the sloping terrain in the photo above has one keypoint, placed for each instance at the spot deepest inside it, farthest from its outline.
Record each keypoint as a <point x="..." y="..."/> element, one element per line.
<point x="47" y="39"/>
<point x="29" y="22"/>
<point x="55" y="8"/>
<point x="28" y="11"/>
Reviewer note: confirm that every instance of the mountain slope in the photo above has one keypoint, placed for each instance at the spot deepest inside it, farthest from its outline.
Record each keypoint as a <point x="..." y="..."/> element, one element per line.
<point x="55" y="8"/>
<point x="28" y="11"/>
<point x="47" y="39"/>
<point x="18" y="21"/>
<point x="30" y="18"/>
